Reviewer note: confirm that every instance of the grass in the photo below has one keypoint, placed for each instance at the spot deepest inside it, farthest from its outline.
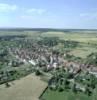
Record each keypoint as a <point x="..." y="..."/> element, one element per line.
<point x="28" y="88"/>
<point x="66" y="95"/>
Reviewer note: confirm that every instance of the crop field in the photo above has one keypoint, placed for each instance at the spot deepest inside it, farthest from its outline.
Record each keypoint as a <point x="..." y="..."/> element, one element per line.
<point x="79" y="36"/>
<point x="28" y="88"/>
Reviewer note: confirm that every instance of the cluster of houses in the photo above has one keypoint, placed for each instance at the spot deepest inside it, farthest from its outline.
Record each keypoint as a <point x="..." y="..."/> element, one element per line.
<point x="38" y="55"/>
<point x="43" y="56"/>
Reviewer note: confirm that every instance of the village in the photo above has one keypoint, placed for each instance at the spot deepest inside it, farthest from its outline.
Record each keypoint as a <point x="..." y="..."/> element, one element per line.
<point x="43" y="59"/>
<point x="62" y="71"/>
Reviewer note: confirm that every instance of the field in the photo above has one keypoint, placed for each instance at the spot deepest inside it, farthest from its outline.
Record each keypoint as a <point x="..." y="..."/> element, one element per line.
<point x="66" y="95"/>
<point x="75" y="36"/>
<point x="80" y="36"/>
<point x="28" y="88"/>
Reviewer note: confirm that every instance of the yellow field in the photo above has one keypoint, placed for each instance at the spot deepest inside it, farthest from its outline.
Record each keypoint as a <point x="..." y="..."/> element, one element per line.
<point x="28" y="88"/>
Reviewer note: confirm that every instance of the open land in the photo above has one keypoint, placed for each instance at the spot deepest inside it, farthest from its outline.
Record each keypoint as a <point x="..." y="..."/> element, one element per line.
<point x="27" y="88"/>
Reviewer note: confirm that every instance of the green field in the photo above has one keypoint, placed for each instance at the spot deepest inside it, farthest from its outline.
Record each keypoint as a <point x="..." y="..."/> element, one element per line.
<point x="67" y="95"/>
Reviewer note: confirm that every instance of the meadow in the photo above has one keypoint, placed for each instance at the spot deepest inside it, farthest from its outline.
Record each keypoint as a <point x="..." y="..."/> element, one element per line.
<point x="67" y="95"/>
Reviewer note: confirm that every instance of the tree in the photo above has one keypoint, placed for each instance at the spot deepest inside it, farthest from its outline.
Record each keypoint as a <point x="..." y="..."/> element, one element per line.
<point x="74" y="88"/>
<point x="7" y="85"/>
<point x="88" y="90"/>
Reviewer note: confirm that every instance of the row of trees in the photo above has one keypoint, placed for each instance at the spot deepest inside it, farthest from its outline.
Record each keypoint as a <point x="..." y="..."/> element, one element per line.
<point x="70" y="44"/>
<point x="49" y="41"/>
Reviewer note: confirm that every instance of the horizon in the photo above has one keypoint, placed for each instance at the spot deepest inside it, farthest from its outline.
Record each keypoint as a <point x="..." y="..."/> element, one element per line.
<point x="29" y="28"/>
<point x="63" y="14"/>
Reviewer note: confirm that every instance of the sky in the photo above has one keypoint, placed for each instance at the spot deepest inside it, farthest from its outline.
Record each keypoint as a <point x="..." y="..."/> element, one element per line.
<point x="74" y="14"/>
